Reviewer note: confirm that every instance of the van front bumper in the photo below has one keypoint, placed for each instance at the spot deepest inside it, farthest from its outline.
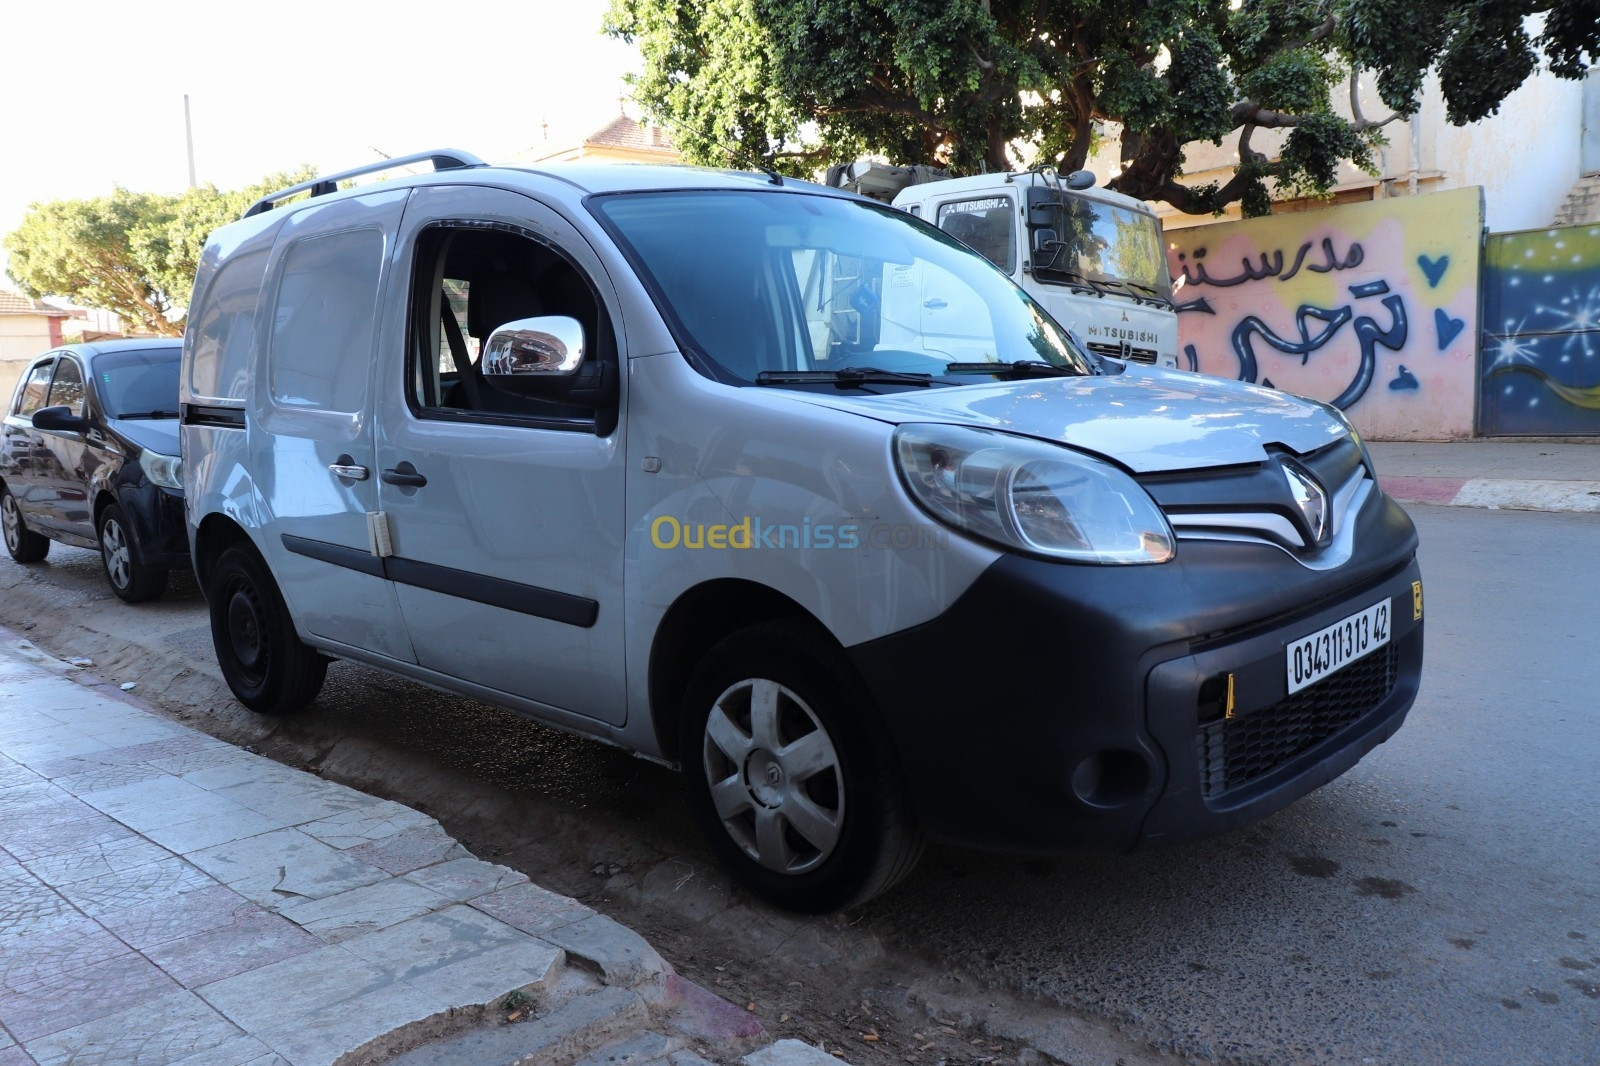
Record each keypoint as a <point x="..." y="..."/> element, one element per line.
<point x="1056" y="707"/>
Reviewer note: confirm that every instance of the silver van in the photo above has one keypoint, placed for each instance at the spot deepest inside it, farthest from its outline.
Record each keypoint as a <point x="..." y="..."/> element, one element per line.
<point x="674" y="459"/>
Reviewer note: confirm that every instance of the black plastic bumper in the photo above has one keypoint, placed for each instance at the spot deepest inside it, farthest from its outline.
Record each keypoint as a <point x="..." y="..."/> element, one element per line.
<point x="159" y="533"/>
<point x="1057" y="707"/>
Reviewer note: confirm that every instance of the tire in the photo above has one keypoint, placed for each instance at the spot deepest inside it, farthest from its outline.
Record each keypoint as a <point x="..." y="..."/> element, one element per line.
<point x="24" y="544"/>
<point x="264" y="662"/>
<point x="130" y="579"/>
<point x="804" y="806"/>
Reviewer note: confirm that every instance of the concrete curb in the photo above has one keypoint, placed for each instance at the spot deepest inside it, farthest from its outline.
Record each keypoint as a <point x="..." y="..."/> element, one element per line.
<point x="1495" y="493"/>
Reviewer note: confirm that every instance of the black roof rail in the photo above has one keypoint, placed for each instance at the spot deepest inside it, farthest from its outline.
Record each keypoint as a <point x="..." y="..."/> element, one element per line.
<point x="441" y="158"/>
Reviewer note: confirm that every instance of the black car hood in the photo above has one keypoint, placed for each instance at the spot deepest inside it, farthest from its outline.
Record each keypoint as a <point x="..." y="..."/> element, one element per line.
<point x="156" y="434"/>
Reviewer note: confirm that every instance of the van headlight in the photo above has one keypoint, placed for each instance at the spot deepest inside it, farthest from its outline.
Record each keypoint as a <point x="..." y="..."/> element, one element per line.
<point x="1043" y="499"/>
<point x="164" y="470"/>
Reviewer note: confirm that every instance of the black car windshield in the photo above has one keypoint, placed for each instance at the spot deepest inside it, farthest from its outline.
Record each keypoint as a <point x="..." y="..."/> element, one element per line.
<point x="793" y="289"/>
<point x="142" y="383"/>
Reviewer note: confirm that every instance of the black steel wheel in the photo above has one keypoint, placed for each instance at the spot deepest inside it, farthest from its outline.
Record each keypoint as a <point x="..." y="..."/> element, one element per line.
<point x="130" y="578"/>
<point x="24" y="544"/>
<point x="790" y="771"/>
<point x="263" y="660"/>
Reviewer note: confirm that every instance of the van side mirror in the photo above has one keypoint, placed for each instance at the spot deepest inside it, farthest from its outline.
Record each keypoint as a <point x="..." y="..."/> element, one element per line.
<point x="528" y="351"/>
<point x="59" y="419"/>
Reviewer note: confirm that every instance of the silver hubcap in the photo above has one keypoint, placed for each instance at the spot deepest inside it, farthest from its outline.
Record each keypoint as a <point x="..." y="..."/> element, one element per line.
<point x="11" y="520"/>
<point x="114" y="546"/>
<point x="774" y="776"/>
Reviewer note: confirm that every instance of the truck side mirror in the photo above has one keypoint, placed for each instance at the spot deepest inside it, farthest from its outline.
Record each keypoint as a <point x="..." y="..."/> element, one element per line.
<point x="521" y="355"/>
<point x="1045" y="242"/>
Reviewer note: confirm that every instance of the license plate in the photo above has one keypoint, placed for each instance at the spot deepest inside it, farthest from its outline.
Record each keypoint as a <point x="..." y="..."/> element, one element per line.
<point x="1314" y="657"/>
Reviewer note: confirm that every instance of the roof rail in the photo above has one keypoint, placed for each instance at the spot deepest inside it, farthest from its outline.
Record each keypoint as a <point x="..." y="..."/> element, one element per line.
<point x="441" y="158"/>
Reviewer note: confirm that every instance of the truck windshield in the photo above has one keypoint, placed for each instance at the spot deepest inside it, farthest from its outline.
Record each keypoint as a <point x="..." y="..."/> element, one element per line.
<point x="1105" y="243"/>
<point x="766" y="287"/>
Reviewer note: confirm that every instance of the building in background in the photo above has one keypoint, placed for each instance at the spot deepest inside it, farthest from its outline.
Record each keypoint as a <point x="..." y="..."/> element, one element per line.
<point x="622" y="140"/>
<point x="27" y="328"/>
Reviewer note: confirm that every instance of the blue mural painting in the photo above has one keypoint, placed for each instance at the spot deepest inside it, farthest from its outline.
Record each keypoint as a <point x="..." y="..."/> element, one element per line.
<point x="1541" y="333"/>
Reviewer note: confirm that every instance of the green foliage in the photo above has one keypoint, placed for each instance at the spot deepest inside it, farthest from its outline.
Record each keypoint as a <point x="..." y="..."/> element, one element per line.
<point x="802" y="83"/>
<point x="132" y="253"/>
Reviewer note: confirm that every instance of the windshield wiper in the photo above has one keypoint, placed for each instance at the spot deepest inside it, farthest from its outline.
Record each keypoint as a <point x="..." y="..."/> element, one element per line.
<point x="847" y="377"/>
<point x="1075" y="281"/>
<point x="1032" y="368"/>
<point x="150" y="414"/>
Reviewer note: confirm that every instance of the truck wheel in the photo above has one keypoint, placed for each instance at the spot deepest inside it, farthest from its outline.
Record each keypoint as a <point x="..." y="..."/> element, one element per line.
<point x="264" y="662"/>
<point x="129" y="578"/>
<point x="24" y="545"/>
<point x="791" y="774"/>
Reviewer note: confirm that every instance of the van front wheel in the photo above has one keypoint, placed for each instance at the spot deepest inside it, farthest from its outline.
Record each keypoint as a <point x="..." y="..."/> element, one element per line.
<point x="264" y="662"/>
<point x="791" y="774"/>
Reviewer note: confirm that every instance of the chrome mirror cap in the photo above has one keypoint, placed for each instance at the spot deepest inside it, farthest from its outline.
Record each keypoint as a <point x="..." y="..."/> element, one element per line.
<point x="548" y="346"/>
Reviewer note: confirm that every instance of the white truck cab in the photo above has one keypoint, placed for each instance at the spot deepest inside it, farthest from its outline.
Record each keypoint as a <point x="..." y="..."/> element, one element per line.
<point x="1092" y="257"/>
<point x="684" y="460"/>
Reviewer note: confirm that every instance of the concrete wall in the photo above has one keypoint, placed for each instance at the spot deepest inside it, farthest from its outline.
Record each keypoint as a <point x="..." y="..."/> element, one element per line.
<point x="21" y="338"/>
<point x="1372" y="307"/>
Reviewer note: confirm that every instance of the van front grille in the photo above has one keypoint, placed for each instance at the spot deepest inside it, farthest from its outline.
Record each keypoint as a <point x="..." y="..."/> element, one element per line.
<point x="1236" y="751"/>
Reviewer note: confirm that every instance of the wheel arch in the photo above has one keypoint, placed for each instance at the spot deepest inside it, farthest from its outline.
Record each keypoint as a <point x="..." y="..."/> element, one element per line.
<point x="696" y="621"/>
<point x="216" y="534"/>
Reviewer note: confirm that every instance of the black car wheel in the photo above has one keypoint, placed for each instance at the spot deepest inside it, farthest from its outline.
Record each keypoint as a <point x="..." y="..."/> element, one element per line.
<point x="791" y="774"/>
<point x="264" y="662"/>
<point x="24" y="545"/>
<point x="130" y="578"/>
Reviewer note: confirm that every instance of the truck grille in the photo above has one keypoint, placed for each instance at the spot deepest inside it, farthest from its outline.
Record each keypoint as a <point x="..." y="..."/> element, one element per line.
<point x="1236" y="751"/>
<point x="1118" y="351"/>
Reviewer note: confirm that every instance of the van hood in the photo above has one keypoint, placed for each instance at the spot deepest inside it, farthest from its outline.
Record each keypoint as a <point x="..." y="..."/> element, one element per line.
<point x="1145" y="419"/>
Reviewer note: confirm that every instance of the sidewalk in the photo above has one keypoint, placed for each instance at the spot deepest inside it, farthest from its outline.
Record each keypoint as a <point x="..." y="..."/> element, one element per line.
<point x="169" y="898"/>
<point x="1519" y="475"/>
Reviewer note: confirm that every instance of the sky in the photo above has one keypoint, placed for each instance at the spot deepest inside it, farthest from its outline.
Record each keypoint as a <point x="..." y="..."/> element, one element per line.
<point x="95" y="89"/>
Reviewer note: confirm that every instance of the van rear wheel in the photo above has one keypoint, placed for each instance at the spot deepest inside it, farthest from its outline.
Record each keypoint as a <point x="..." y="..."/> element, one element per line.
<point x="264" y="662"/>
<point x="790" y="771"/>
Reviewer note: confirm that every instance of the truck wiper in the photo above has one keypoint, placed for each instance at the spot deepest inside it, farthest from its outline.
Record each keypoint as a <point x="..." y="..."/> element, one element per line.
<point x="1032" y="368"/>
<point x="845" y="378"/>
<point x="1156" y="296"/>
<point x="1075" y="281"/>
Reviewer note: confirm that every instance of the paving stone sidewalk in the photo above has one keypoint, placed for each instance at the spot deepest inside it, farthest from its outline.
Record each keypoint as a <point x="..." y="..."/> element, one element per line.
<point x="166" y="897"/>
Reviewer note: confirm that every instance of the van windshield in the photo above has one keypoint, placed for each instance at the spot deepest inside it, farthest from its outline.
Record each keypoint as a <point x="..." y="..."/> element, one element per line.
<point x="775" y="287"/>
<point x="1106" y="243"/>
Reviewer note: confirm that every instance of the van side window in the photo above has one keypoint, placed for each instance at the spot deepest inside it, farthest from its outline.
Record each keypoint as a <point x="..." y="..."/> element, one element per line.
<point x="67" y="389"/>
<point x="219" y="364"/>
<point x="985" y="226"/>
<point x="31" y="398"/>
<point x="323" y="321"/>
<point x="468" y="280"/>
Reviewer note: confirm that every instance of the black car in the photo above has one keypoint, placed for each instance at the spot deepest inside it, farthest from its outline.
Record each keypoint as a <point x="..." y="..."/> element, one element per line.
<point x="90" y="457"/>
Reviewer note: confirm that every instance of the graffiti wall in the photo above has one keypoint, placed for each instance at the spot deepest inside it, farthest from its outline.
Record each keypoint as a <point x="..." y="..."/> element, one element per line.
<point x="1371" y="307"/>
<point x="1541" y="333"/>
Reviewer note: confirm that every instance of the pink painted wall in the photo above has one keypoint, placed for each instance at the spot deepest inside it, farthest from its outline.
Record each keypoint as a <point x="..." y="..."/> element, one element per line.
<point x="1372" y="307"/>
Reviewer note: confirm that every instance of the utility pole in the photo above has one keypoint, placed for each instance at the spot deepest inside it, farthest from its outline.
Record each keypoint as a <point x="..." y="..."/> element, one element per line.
<point x="188" y="136"/>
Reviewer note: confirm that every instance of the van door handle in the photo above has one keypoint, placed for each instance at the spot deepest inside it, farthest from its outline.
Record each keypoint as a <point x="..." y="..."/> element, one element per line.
<point x="404" y="474"/>
<point x="934" y="304"/>
<point x="346" y="469"/>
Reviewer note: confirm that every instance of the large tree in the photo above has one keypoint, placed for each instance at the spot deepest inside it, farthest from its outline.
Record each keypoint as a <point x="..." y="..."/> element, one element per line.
<point x="133" y="253"/>
<point x="795" y="83"/>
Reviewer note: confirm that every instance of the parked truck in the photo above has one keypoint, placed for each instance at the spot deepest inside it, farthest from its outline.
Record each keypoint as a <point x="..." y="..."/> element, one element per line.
<point x="1093" y="257"/>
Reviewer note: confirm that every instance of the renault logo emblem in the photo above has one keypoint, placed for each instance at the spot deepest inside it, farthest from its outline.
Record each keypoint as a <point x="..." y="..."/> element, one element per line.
<point x="1310" y="498"/>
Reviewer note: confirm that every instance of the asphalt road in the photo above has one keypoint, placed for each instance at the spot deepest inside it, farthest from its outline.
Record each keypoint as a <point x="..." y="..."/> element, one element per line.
<point x="1439" y="903"/>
